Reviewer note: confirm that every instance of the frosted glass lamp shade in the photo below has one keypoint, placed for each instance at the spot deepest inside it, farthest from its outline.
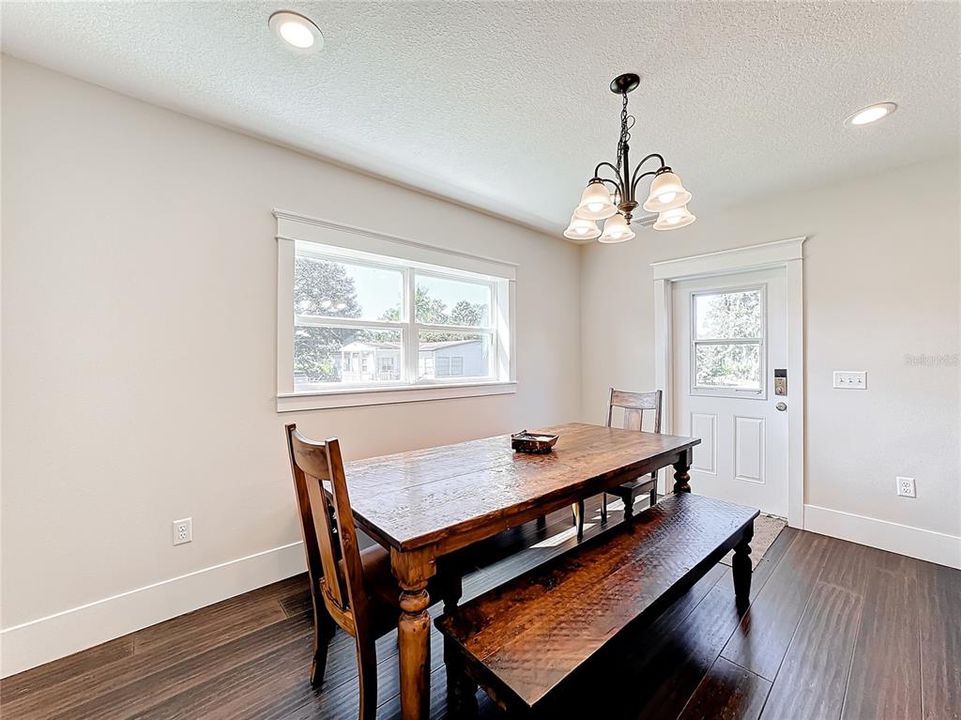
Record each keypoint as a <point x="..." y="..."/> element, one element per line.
<point x="581" y="229"/>
<point x="595" y="203"/>
<point x="667" y="193"/>
<point x="616" y="230"/>
<point x="674" y="219"/>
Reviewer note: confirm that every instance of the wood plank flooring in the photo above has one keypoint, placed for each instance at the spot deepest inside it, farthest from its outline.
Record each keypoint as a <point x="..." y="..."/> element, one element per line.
<point x="835" y="630"/>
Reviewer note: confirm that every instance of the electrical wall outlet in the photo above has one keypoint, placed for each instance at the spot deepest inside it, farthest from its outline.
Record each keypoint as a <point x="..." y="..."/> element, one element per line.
<point x="906" y="487"/>
<point x="850" y="379"/>
<point x="183" y="531"/>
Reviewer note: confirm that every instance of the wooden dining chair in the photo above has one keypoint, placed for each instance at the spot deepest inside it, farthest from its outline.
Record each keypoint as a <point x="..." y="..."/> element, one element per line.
<point x="633" y="405"/>
<point x="349" y="587"/>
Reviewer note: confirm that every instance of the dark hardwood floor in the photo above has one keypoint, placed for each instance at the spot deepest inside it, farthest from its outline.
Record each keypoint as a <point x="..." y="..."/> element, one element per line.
<point x="835" y="630"/>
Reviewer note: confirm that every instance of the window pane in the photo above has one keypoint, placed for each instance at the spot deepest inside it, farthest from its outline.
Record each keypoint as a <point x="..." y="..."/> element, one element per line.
<point x="347" y="290"/>
<point x="442" y="301"/>
<point x="345" y="355"/>
<point x="728" y="366"/>
<point x="729" y="315"/>
<point x="446" y="356"/>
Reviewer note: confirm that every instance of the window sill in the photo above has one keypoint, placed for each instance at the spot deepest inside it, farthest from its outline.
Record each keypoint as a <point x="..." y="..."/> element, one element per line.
<point x="326" y="399"/>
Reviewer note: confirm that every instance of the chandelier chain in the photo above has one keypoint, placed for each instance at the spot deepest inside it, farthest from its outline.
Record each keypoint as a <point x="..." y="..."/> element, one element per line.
<point x="627" y="122"/>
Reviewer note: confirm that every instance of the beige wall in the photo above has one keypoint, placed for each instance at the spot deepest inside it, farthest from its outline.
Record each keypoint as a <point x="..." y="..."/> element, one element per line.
<point x="139" y="291"/>
<point x="881" y="281"/>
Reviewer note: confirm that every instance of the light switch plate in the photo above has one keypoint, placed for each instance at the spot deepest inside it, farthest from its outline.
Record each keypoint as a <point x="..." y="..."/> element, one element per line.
<point x="850" y="379"/>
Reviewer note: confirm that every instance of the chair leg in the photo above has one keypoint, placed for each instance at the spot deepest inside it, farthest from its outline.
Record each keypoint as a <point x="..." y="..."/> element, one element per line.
<point x="603" y="508"/>
<point x="367" y="678"/>
<point x="578" y="510"/>
<point x="654" y="496"/>
<point x="324" y="628"/>
<point x="453" y="589"/>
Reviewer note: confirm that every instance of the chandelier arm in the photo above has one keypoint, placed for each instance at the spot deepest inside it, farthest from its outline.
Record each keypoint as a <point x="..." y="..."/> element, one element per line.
<point x="617" y="183"/>
<point x="638" y="179"/>
<point x="597" y="170"/>
<point x="635" y="178"/>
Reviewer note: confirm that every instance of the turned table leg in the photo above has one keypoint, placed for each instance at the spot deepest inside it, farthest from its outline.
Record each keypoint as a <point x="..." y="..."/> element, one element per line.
<point x="741" y="568"/>
<point x="682" y="478"/>
<point x="413" y="633"/>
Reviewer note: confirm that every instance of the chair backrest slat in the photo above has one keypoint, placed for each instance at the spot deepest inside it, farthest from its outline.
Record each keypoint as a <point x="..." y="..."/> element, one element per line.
<point x="633" y="419"/>
<point x="330" y="539"/>
<point x="634" y="404"/>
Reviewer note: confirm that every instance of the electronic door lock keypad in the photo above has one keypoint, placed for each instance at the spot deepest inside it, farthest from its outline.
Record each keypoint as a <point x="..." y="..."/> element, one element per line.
<point x="780" y="381"/>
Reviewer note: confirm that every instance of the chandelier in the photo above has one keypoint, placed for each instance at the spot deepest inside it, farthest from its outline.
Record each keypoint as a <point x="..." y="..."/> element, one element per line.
<point x="613" y="199"/>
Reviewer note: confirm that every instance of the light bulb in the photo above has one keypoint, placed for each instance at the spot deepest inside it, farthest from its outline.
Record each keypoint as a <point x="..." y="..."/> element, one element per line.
<point x="871" y="114"/>
<point x="297" y="34"/>
<point x="674" y="218"/>
<point x="595" y="202"/>
<point x="667" y="192"/>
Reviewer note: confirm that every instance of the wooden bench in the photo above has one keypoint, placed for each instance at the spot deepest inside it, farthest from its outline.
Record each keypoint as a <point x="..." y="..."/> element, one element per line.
<point x="522" y="640"/>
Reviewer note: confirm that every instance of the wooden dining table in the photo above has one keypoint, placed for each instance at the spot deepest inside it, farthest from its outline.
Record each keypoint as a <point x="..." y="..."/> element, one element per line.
<point x="426" y="504"/>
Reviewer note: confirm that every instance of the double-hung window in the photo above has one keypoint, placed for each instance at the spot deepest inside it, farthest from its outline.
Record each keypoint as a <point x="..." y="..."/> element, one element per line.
<point x="408" y="322"/>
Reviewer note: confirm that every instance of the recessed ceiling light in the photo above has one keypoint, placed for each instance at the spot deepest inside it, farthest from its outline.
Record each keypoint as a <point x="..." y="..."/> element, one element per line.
<point x="870" y="114"/>
<point x="297" y="31"/>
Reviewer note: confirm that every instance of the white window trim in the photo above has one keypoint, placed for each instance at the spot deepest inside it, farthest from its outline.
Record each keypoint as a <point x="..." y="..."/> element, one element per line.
<point x="357" y="242"/>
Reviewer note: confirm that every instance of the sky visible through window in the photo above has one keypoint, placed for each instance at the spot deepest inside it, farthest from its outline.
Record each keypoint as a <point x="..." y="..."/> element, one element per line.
<point x="377" y="290"/>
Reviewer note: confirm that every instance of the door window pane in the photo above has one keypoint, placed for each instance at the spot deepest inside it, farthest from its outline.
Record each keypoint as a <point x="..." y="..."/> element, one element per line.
<point x="728" y="315"/>
<point x="444" y="356"/>
<point x="346" y="290"/>
<point x="728" y="365"/>
<point x="445" y="301"/>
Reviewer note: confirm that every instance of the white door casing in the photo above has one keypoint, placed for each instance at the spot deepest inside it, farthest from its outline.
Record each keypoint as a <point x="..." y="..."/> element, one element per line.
<point x="785" y="254"/>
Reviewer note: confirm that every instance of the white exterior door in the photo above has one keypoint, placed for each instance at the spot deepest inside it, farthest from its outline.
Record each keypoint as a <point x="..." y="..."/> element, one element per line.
<point x="730" y="336"/>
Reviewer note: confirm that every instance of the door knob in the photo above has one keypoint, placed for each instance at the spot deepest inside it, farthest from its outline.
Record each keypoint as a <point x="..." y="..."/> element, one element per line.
<point x="781" y="406"/>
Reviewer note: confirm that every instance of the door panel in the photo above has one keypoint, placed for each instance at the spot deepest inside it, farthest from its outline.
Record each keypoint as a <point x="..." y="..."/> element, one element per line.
<point x="749" y="449"/>
<point x="729" y="337"/>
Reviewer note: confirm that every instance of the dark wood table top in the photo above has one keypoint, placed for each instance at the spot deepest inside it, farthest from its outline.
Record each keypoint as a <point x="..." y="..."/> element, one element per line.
<point x="415" y="499"/>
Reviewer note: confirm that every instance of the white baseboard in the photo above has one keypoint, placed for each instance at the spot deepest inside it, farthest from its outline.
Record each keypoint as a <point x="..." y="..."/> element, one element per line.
<point x="39" y="641"/>
<point x="929" y="545"/>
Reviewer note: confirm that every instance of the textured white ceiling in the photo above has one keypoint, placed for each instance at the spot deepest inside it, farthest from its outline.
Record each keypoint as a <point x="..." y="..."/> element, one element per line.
<point x="505" y="106"/>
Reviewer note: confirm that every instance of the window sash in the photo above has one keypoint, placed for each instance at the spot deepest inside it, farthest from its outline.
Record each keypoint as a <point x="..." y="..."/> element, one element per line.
<point x="762" y="300"/>
<point x="408" y="326"/>
<point x="761" y="342"/>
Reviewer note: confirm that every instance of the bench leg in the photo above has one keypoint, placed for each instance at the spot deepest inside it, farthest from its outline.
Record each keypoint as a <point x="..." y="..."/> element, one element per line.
<point x="461" y="690"/>
<point x="628" y="506"/>
<point x="603" y="508"/>
<point x="741" y="569"/>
